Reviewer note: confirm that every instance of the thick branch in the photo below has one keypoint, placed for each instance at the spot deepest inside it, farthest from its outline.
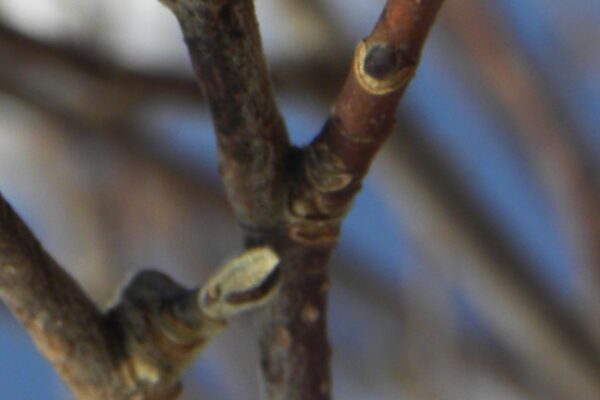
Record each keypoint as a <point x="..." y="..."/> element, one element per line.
<point x="225" y="47"/>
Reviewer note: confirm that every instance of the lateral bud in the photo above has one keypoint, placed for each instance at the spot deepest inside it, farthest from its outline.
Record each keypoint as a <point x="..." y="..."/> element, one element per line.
<point x="381" y="68"/>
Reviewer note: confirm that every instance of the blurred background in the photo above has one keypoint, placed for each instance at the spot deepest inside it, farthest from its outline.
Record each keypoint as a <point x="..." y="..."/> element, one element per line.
<point x="469" y="267"/>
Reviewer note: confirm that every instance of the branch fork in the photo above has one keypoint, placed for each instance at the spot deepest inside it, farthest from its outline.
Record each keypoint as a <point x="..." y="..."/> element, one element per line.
<point x="286" y="199"/>
<point x="291" y="199"/>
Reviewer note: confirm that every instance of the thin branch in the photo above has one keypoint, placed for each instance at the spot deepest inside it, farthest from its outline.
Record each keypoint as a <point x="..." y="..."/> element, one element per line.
<point x="363" y="115"/>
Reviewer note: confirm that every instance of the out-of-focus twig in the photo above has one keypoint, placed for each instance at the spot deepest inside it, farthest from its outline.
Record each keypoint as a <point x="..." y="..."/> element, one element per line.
<point x="497" y="278"/>
<point x="99" y="88"/>
<point x="567" y="179"/>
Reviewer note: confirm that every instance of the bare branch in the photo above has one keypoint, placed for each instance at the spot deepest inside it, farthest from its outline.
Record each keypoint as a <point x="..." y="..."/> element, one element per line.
<point x="225" y="47"/>
<point x="139" y="349"/>
<point x="273" y="186"/>
<point x="362" y="117"/>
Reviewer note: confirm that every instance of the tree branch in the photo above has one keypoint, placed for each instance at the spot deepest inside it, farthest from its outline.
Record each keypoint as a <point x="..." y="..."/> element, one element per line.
<point x="225" y="48"/>
<point x="293" y="199"/>
<point x="66" y="326"/>
<point x="139" y="348"/>
<point x="363" y="115"/>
